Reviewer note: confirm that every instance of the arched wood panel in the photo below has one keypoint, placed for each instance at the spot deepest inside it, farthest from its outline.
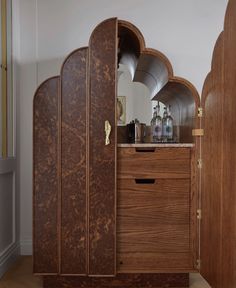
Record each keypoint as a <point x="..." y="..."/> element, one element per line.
<point x="184" y="100"/>
<point x="73" y="164"/>
<point x="212" y="154"/>
<point x="229" y="148"/>
<point x="102" y="157"/>
<point x="45" y="178"/>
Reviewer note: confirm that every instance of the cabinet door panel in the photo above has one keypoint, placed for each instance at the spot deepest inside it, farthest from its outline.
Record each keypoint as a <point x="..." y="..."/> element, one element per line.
<point x="218" y="233"/>
<point x="102" y="157"/>
<point x="229" y="154"/>
<point x="211" y="223"/>
<point x="153" y="220"/>
<point x="45" y="178"/>
<point x="73" y="164"/>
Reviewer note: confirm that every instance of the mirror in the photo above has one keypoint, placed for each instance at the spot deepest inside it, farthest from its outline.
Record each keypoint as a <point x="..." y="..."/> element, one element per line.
<point x="133" y="99"/>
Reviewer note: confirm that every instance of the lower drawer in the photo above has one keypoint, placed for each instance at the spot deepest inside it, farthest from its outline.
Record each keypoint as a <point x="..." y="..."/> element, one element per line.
<point x="153" y="262"/>
<point x="153" y="225"/>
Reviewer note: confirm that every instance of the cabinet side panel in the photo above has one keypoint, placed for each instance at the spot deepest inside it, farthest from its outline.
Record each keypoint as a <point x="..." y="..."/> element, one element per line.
<point x="229" y="164"/>
<point x="45" y="174"/>
<point x="211" y="223"/>
<point x="73" y="164"/>
<point x="102" y="158"/>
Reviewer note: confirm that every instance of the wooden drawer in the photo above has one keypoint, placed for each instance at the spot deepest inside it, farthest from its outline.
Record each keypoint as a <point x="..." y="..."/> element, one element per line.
<point x="153" y="225"/>
<point x="156" y="163"/>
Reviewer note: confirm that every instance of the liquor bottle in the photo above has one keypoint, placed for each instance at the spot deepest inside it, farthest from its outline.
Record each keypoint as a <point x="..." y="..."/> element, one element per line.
<point x="158" y="125"/>
<point x="164" y="125"/>
<point x="153" y="123"/>
<point x="169" y="129"/>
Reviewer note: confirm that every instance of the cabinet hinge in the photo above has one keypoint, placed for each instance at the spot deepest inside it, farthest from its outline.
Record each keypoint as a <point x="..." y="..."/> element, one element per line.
<point x="199" y="163"/>
<point x="200" y="112"/>
<point x="199" y="214"/>
<point x="198" y="132"/>
<point x="198" y="265"/>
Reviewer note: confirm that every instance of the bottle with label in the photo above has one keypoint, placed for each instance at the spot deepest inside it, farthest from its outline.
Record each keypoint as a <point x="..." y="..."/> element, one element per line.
<point x="164" y="125"/>
<point x="170" y="128"/>
<point x="153" y="123"/>
<point x="158" y="125"/>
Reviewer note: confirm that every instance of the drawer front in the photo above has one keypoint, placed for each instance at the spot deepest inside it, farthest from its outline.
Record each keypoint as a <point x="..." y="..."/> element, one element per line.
<point x="153" y="223"/>
<point x="153" y="262"/>
<point x="156" y="163"/>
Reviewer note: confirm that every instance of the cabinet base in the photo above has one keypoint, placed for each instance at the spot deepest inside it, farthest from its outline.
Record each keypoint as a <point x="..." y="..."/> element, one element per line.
<point x="163" y="280"/>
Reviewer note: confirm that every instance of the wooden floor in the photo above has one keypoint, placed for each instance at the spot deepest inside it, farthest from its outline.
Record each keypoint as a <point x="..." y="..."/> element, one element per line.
<point x="20" y="276"/>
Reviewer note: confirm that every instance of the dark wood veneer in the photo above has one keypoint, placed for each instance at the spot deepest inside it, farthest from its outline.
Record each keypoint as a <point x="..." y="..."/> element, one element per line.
<point x="45" y="177"/>
<point x="166" y="280"/>
<point x="102" y="158"/>
<point x="73" y="164"/>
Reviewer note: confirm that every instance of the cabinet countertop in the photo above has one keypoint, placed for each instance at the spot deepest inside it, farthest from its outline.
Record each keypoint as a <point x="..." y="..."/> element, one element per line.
<point x="174" y="145"/>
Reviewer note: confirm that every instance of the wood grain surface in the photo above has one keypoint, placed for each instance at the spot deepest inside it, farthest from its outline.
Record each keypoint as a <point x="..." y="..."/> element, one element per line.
<point x="102" y="158"/>
<point x="219" y="182"/>
<point x="162" y="163"/>
<point x="153" y="225"/>
<point x="45" y="177"/>
<point x="73" y="164"/>
<point x="229" y="155"/>
<point x="211" y="223"/>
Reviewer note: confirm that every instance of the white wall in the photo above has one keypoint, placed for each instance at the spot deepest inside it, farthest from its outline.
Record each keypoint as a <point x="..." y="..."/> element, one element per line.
<point x="184" y="30"/>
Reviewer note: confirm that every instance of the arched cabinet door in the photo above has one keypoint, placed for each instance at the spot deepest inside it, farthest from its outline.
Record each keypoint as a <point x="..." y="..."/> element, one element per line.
<point x="73" y="160"/>
<point x="102" y="149"/>
<point x="88" y="156"/>
<point x="45" y="177"/>
<point x="218" y="228"/>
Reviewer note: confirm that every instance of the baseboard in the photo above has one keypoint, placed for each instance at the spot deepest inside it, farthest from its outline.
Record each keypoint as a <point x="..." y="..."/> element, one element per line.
<point x="26" y="247"/>
<point x="8" y="257"/>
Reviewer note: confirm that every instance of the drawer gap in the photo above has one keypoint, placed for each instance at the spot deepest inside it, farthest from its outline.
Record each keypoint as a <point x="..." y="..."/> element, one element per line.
<point x="145" y="149"/>
<point x="145" y="181"/>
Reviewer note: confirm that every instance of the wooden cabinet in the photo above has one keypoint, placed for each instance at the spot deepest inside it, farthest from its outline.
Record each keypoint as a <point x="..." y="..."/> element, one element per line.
<point x="109" y="214"/>
<point x="153" y="210"/>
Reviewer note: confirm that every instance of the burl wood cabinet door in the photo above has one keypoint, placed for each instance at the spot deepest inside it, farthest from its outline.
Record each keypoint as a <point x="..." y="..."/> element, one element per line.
<point x="73" y="207"/>
<point x="45" y="178"/>
<point x="88" y="156"/>
<point x="102" y="151"/>
<point x="75" y="162"/>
